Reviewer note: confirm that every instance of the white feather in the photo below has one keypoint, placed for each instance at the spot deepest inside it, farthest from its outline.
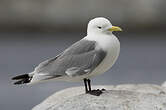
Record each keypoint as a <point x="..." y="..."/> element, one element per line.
<point x="111" y="45"/>
<point x="105" y="40"/>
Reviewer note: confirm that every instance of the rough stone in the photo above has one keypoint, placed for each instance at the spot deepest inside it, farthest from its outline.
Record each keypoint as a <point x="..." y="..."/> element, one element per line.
<point x="120" y="97"/>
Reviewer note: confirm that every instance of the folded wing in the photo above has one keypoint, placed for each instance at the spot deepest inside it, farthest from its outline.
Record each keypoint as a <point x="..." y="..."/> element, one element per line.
<point x="79" y="59"/>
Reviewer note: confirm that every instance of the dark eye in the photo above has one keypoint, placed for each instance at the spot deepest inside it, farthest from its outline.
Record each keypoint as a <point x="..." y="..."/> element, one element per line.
<point x="99" y="27"/>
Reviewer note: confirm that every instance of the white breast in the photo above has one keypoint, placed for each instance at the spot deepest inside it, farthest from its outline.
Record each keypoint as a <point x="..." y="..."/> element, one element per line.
<point x="111" y="45"/>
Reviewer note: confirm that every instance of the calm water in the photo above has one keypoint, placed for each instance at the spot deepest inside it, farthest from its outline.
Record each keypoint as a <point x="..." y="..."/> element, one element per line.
<point x="142" y="60"/>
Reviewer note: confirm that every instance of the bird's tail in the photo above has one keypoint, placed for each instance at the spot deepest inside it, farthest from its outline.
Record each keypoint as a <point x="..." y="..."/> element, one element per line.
<point x="22" y="79"/>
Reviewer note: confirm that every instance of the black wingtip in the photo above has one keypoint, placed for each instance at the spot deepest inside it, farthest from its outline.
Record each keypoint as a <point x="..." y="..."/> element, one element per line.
<point x="20" y="77"/>
<point x="23" y="81"/>
<point x="18" y="82"/>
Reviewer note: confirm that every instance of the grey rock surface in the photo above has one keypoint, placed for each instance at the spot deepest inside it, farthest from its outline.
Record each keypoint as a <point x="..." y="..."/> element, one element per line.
<point x="121" y="97"/>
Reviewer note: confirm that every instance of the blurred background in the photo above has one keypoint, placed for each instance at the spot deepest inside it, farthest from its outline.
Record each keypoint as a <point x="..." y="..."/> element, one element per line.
<point x="33" y="30"/>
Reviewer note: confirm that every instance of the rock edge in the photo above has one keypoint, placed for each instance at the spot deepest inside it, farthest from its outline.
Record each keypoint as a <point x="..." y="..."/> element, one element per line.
<point x="120" y="97"/>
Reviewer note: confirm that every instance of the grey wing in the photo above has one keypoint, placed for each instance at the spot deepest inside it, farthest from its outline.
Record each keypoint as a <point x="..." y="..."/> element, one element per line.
<point x="81" y="58"/>
<point x="76" y="65"/>
<point x="45" y="63"/>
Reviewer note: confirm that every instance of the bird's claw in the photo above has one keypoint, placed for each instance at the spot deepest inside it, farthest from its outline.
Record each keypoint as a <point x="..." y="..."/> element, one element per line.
<point x="97" y="92"/>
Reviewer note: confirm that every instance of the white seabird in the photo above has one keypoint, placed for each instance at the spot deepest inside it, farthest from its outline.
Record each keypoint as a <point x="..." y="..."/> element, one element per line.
<point x="92" y="55"/>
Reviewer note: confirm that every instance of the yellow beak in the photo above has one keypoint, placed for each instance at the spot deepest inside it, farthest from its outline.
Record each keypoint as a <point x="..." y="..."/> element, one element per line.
<point x="114" y="28"/>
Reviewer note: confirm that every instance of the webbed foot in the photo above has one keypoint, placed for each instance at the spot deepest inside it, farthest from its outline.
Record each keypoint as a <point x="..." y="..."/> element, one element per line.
<point x="97" y="92"/>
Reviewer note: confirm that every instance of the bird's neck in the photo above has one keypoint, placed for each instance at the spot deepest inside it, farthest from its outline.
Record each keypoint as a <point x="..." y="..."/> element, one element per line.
<point x="103" y="40"/>
<point x="99" y="37"/>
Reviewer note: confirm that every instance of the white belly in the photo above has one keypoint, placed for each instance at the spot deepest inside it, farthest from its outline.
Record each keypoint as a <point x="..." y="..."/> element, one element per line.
<point x="113" y="49"/>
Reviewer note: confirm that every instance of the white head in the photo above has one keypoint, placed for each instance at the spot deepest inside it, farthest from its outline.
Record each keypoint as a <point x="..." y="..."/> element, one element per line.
<point x="101" y="25"/>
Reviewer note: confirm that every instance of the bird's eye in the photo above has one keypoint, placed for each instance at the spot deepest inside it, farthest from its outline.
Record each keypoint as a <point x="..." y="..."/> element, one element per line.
<point x="99" y="27"/>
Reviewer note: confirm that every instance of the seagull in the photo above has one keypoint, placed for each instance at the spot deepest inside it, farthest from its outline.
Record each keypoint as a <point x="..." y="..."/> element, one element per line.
<point x="92" y="55"/>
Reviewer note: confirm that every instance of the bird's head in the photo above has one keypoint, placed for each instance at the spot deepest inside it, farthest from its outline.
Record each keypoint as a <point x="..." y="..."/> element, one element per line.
<point x="101" y="25"/>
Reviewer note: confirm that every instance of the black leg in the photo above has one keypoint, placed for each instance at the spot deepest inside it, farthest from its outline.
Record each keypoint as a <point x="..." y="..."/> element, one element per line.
<point x="85" y="83"/>
<point x="89" y="85"/>
<point x="92" y="92"/>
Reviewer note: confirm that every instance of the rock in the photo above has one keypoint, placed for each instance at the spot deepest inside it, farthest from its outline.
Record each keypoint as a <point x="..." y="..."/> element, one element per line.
<point x="121" y="97"/>
<point x="164" y="84"/>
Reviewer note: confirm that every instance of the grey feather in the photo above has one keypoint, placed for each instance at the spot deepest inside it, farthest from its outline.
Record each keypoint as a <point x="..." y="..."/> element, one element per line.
<point x="79" y="59"/>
